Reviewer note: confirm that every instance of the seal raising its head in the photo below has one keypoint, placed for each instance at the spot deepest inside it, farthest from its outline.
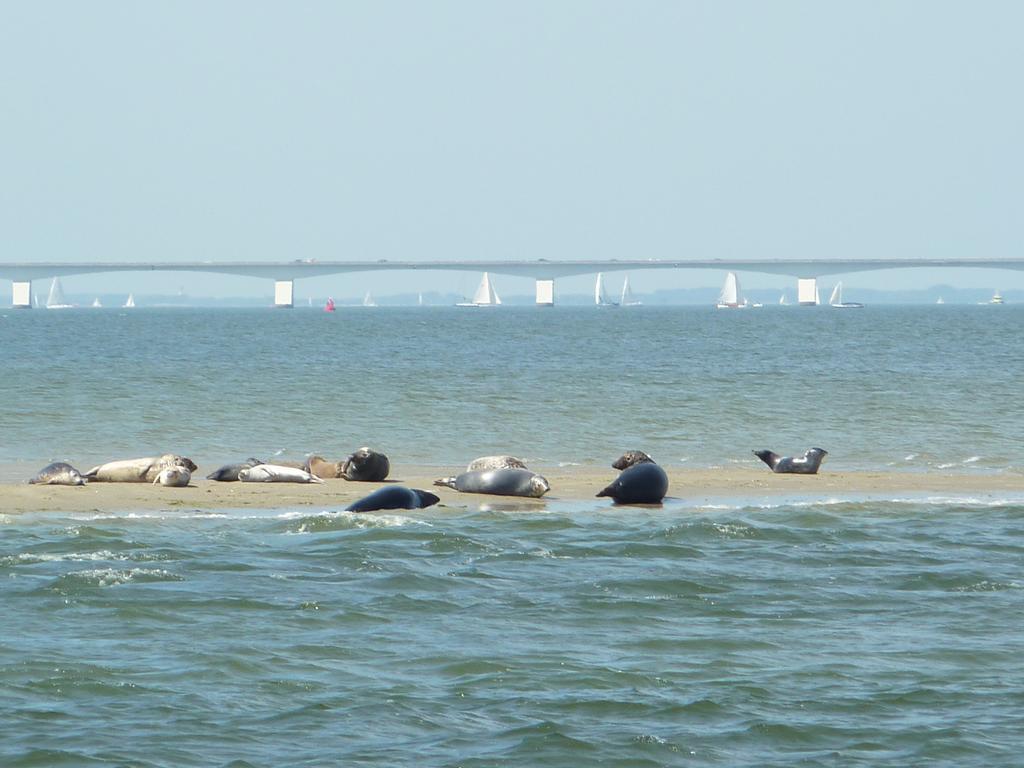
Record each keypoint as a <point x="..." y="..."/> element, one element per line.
<point x="805" y="465"/>
<point x="366" y="465"/>
<point x="629" y="458"/>
<point x="58" y="473"/>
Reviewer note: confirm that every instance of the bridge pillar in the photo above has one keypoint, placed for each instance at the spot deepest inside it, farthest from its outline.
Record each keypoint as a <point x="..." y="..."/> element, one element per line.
<point x="807" y="291"/>
<point x="284" y="293"/>
<point x="21" y="294"/>
<point x="545" y="293"/>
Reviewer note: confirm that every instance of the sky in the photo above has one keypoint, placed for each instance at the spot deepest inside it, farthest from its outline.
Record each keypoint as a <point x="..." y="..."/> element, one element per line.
<point x="164" y="131"/>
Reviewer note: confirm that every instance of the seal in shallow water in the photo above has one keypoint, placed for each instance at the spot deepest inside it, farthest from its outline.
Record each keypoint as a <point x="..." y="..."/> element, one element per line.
<point x="393" y="497"/>
<point x="366" y="465"/>
<point x="276" y="473"/>
<point x="142" y="470"/>
<point x="500" y="482"/>
<point x="629" y="458"/>
<point x="229" y="472"/>
<point x="58" y="473"/>
<point x="805" y="465"/>
<point x="643" y="483"/>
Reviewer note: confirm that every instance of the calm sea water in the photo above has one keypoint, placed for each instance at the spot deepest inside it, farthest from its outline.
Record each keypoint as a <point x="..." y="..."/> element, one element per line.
<point x="861" y="631"/>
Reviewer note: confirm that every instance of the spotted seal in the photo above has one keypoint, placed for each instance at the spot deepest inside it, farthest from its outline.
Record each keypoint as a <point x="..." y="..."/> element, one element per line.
<point x="142" y="470"/>
<point x="58" y="473"/>
<point x="643" y="483"/>
<point x="394" y="497"/>
<point x="495" y="462"/>
<point x="805" y="465"/>
<point x="500" y="482"/>
<point x="629" y="458"/>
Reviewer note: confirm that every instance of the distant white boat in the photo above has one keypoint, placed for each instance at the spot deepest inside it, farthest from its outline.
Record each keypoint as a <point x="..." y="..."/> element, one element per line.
<point x="419" y="300"/>
<point x="783" y="301"/>
<point x="368" y="300"/>
<point x="96" y="303"/>
<point x="601" y="297"/>
<point x="730" y="298"/>
<point x="56" y="298"/>
<point x="626" y="299"/>
<point x="485" y="295"/>
<point x="130" y="302"/>
<point x="836" y="299"/>
<point x="940" y="300"/>
<point x="997" y="298"/>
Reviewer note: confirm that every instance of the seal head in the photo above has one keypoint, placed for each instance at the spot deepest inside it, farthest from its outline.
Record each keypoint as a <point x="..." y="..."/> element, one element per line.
<point x="629" y="458"/>
<point x="366" y="465"/>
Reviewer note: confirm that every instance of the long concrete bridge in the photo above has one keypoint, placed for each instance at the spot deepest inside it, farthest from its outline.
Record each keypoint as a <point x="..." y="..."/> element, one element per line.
<point x="543" y="271"/>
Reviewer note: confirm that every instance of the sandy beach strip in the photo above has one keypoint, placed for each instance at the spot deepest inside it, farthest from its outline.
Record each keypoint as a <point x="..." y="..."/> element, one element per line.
<point x="695" y="486"/>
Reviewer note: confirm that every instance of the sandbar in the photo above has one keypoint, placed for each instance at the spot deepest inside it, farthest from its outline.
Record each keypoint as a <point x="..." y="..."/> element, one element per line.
<point x="573" y="484"/>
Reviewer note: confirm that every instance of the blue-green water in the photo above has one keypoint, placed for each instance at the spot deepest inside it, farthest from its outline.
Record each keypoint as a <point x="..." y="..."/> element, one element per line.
<point x="842" y="632"/>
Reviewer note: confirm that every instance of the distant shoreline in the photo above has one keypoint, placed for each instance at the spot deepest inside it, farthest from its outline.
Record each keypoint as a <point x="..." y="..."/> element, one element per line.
<point x="696" y="487"/>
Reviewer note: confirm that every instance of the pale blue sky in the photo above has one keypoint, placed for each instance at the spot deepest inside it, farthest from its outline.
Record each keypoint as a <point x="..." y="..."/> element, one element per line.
<point x="427" y="130"/>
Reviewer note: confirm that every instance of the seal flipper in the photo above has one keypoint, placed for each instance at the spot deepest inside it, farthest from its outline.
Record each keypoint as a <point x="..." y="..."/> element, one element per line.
<point x="769" y="458"/>
<point x="609" y="491"/>
<point x="447" y="482"/>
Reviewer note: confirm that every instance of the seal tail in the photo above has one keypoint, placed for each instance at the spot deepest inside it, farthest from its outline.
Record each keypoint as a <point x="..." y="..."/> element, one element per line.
<point x="447" y="482"/>
<point x="609" y="491"/>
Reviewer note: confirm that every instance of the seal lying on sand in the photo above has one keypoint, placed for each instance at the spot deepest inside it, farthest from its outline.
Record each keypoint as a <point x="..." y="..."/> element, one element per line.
<point x="275" y="473"/>
<point x="643" y="483"/>
<point x="366" y="465"/>
<point x="805" y="465"/>
<point x="321" y="467"/>
<point x="629" y="458"/>
<point x="58" y="473"/>
<point x="173" y="477"/>
<point x="138" y="470"/>
<point x="229" y="472"/>
<point x="500" y="482"/>
<point x="495" y="462"/>
<point x="393" y="497"/>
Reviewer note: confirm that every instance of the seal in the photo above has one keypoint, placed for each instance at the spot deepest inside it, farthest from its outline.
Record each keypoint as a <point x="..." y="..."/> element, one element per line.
<point x="321" y="467"/>
<point x="629" y="458"/>
<point x="173" y="477"/>
<point x="805" y="465"/>
<point x="394" y="497"/>
<point x="643" y="483"/>
<point x="229" y="472"/>
<point x="58" y="473"/>
<point x="500" y="482"/>
<point x="276" y="473"/>
<point x="142" y="470"/>
<point x="495" y="462"/>
<point x="366" y="465"/>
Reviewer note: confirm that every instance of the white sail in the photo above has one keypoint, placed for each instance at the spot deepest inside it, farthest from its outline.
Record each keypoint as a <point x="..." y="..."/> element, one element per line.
<point x="131" y="301"/>
<point x="368" y="300"/>
<point x="626" y="299"/>
<point x="96" y="303"/>
<point x="419" y="301"/>
<point x="56" y="298"/>
<point x="601" y="297"/>
<point x="837" y="294"/>
<point x="783" y="300"/>
<point x="729" y="298"/>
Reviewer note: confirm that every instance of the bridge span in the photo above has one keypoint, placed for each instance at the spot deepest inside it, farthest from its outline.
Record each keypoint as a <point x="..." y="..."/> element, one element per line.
<point x="543" y="271"/>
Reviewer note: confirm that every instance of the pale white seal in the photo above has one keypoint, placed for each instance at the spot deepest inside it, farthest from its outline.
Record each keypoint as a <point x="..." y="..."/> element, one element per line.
<point x="173" y="477"/>
<point x="275" y="473"/>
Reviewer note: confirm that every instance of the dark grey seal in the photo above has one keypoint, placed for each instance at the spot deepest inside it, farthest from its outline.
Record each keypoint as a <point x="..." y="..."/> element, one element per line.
<point x="629" y="458"/>
<point x="58" y="473"/>
<point x="394" y="497"/>
<point x="643" y="483"/>
<point x="805" y="465"/>
<point x="229" y="472"/>
<point x="500" y="482"/>
<point x="366" y="465"/>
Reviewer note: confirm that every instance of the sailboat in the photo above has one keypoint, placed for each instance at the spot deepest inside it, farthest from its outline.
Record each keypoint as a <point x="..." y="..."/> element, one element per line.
<point x="836" y="299"/>
<point x="96" y="303"/>
<point x="729" y="298"/>
<point x="329" y="306"/>
<point x="368" y="300"/>
<point x="601" y="297"/>
<point x="56" y="298"/>
<point x="485" y="295"/>
<point x="419" y="300"/>
<point x="940" y="300"/>
<point x="783" y="301"/>
<point x="626" y="299"/>
<point x="130" y="302"/>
